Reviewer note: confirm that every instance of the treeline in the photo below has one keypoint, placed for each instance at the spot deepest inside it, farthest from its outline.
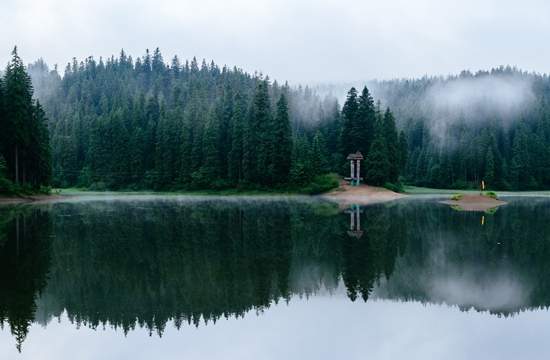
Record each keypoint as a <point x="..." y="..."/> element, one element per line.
<point x="492" y="126"/>
<point x="24" y="139"/>
<point x="143" y="124"/>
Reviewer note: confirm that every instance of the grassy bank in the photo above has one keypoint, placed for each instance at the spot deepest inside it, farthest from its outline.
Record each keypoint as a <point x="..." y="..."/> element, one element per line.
<point x="415" y="190"/>
<point x="318" y="185"/>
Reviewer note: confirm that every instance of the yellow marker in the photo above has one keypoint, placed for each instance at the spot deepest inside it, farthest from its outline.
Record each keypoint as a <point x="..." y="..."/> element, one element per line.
<point x="482" y="220"/>
<point x="482" y="185"/>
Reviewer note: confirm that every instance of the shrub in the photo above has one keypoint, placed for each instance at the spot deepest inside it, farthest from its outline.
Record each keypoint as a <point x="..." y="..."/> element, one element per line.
<point x="457" y="197"/>
<point x="98" y="186"/>
<point x="321" y="184"/>
<point x="394" y="187"/>
<point x="491" y="194"/>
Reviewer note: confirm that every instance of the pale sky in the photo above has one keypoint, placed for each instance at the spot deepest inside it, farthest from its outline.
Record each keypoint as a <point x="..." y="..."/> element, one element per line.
<point x="298" y="40"/>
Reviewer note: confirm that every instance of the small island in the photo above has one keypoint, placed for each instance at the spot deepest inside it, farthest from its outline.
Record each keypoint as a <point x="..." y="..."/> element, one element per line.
<point x="475" y="202"/>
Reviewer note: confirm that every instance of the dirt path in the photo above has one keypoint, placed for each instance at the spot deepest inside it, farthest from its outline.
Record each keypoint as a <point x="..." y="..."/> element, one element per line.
<point x="475" y="203"/>
<point x="362" y="194"/>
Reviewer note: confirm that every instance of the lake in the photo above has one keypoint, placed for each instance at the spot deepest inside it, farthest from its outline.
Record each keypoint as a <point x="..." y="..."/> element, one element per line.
<point x="176" y="277"/>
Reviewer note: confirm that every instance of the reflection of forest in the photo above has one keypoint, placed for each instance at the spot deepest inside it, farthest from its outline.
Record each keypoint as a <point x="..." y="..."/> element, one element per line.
<point x="144" y="263"/>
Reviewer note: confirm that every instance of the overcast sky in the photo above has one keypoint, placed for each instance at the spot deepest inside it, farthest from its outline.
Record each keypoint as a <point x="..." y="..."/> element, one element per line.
<point x="296" y="40"/>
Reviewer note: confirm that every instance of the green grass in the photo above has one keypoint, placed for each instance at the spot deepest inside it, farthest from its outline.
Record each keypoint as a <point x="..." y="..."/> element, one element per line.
<point x="417" y="190"/>
<point x="318" y="185"/>
<point x="491" y="194"/>
<point x="457" y="197"/>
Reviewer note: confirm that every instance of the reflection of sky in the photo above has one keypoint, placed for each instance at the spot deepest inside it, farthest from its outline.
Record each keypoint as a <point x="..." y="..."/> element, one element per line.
<point x="322" y="327"/>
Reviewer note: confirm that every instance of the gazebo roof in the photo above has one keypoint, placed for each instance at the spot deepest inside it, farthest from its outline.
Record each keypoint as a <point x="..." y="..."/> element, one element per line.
<point x="356" y="156"/>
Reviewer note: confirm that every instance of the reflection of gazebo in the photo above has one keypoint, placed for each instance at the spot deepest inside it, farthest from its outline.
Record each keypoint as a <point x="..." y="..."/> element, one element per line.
<point x="355" y="222"/>
<point x="355" y="167"/>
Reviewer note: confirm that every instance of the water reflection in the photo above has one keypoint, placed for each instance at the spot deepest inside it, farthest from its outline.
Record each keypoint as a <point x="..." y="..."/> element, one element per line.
<point x="129" y="264"/>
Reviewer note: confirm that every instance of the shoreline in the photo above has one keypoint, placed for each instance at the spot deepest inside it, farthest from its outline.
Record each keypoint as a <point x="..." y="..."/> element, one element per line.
<point x="344" y="194"/>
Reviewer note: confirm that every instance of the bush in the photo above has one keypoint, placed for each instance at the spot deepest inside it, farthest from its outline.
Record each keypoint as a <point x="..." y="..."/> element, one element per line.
<point x="491" y="194"/>
<point x="461" y="185"/>
<point x="46" y="190"/>
<point x="457" y="197"/>
<point x="98" y="186"/>
<point x="321" y="184"/>
<point x="398" y="188"/>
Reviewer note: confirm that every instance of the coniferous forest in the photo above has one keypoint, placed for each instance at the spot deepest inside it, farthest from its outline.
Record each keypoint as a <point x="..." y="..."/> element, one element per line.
<point x="490" y="125"/>
<point x="145" y="123"/>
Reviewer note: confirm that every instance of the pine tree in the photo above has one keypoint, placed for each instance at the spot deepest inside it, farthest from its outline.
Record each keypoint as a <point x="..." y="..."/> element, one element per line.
<point x="350" y="109"/>
<point x="392" y="146"/>
<point x="258" y="140"/>
<point x="366" y="118"/>
<point x="19" y="114"/>
<point x="403" y="151"/>
<point x="282" y="144"/>
<point x="489" y="168"/>
<point x="319" y="157"/>
<point x="237" y="138"/>
<point x="377" y="164"/>
<point x="210" y="170"/>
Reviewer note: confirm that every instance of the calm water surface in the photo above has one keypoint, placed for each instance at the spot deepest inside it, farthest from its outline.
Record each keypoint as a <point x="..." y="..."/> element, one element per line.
<point x="273" y="278"/>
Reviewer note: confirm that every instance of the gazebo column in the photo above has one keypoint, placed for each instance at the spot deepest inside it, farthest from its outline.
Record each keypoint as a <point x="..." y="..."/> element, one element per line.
<point x="358" y="171"/>
<point x="352" y="167"/>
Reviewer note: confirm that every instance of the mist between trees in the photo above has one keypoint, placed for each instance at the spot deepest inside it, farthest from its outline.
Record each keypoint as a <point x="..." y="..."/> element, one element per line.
<point x="125" y="123"/>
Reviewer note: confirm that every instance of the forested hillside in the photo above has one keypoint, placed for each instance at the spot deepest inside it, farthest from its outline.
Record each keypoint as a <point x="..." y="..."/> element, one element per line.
<point x="24" y="139"/>
<point x="143" y="124"/>
<point x="122" y="123"/>
<point x="492" y="126"/>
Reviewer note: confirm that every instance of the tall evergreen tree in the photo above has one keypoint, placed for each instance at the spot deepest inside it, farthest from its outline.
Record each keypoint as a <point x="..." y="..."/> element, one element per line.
<point x="19" y="115"/>
<point x="392" y="145"/>
<point x="366" y="118"/>
<point x="348" y="143"/>
<point x="24" y="142"/>
<point x="282" y="145"/>
<point x="258" y="140"/>
<point x="377" y="164"/>
<point x="237" y="140"/>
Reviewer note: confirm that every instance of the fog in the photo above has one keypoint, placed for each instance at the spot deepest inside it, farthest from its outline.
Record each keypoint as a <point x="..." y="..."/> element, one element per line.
<point x="300" y="41"/>
<point x="476" y="100"/>
<point x="499" y="97"/>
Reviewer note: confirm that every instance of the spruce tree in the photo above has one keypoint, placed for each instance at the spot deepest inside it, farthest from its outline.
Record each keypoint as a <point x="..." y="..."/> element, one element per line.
<point x="348" y="143"/>
<point x="282" y="145"/>
<point x="18" y="115"/>
<point x="366" y="118"/>
<point x="377" y="163"/>
<point x="258" y="140"/>
<point x="489" y="177"/>
<point x="403" y="151"/>
<point x="319" y="156"/>
<point x="392" y="146"/>
<point x="210" y="170"/>
<point x="237" y="139"/>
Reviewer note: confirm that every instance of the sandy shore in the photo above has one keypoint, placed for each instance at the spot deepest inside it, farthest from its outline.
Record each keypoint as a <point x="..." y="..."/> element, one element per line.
<point x="475" y="203"/>
<point x="362" y="195"/>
